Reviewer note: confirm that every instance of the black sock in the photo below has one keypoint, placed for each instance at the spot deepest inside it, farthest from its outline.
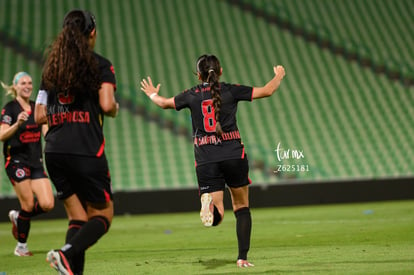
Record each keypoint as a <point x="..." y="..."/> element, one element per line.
<point x="89" y="234"/>
<point x="217" y="217"/>
<point x="23" y="226"/>
<point x="243" y="229"/>
<point x="37" y="210"/>
<point x="78" y="260"/>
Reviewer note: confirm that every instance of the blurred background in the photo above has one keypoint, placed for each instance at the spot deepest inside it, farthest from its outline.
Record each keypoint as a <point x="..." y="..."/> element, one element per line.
<point x="343" y="112"/>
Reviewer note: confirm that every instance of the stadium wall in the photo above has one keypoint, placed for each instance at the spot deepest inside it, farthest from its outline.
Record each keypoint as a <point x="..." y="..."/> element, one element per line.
<point x="291" y="194"/>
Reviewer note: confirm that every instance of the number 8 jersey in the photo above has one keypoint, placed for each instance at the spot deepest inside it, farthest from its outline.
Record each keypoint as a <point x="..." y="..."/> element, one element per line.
<point x="208" y="146"/>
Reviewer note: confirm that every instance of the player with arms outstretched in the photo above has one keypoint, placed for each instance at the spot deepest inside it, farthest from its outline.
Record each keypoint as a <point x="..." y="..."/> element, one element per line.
<point x="219" y="152"/>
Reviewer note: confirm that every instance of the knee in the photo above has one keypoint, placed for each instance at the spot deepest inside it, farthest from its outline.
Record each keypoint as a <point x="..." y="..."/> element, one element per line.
<point x="47" y="206"/>
<point x="103" y="210"/>
<point x="240" y="205"/>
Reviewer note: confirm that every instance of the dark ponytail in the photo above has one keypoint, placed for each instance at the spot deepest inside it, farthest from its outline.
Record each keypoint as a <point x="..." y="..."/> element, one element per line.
<point x="208" y="66"/>
<point x="213" y="80"/>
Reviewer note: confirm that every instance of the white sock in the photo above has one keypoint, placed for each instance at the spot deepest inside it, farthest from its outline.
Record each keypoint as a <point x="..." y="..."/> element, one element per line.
<point x="22" y="245"/>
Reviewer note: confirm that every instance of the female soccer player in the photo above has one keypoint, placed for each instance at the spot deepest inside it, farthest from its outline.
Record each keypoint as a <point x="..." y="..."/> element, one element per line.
<point x="22" y="151"/>
<point x="77" y="90"/>
<point x="219" y="152"/>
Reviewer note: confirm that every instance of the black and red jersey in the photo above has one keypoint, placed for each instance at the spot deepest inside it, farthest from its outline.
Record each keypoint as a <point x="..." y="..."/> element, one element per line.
<point x="25" y="145"/>
<point x="208" y="147"/>
<point x="76" y="121"/>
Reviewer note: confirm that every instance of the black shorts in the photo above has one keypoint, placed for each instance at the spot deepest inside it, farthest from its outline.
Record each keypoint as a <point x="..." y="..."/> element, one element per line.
<point x="214" y="176"/>
<point x="17" y="172"/>
<point x="87" y="177"/>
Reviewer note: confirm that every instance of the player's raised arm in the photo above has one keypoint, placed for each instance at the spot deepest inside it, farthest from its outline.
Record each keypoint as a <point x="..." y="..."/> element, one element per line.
<point x="272" y="85"/>
<point x="152" y="92"/>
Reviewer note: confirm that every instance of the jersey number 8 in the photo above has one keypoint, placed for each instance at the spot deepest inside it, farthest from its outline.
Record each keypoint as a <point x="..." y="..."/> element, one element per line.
<point x="209" y="119"/>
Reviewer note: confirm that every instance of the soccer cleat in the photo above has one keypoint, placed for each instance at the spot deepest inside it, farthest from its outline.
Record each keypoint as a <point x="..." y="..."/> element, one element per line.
<point x="207" y="208"/>
<point x="59" y="262"/>
<point x="22" y="251"/>
<point x="13" y="215"/>
<point x="243" y="263"/>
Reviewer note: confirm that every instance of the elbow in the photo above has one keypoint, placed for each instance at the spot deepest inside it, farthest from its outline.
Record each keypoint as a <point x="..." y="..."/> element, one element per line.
<point x="39" y="120"/>
<point x="109" y="108"/>
<point x="106" y="111"/>
<point x="271" y="90"/>
<point x="40" y="114"/>
<point x="164" y="106"/>
<point x="2" y="137"/>
<point x="268" y="93"/>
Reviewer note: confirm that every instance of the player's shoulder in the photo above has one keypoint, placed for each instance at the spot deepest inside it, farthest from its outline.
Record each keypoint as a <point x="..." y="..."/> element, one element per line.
<point x="102" y="60"/>
<point x="105" y="65"/>
<point x="227" y="86"/>
<point x="193" y="90"/>
<point x="11" y="108"/>
<point x="234" y="86"/>
<point x="11" y="104"/>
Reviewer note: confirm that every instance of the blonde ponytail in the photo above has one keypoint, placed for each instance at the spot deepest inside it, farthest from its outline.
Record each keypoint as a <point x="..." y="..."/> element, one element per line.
<point x="10" y="90"/>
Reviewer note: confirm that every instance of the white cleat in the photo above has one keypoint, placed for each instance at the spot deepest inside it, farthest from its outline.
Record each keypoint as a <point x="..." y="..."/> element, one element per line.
<point x="13" y="215"/>
<point x="207" y="208"/>
<point x="244" y="263"/>
<point x="59" y="262"/>
<point x="22" y="251"/>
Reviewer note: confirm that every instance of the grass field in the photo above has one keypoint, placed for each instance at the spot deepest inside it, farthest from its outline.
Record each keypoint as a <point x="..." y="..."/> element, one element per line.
<point x="368" y="238"/>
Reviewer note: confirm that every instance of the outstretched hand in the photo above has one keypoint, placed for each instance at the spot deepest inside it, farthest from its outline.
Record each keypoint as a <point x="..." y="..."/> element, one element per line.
<point x="279" y="71"/>
<point x="148" y="88"/>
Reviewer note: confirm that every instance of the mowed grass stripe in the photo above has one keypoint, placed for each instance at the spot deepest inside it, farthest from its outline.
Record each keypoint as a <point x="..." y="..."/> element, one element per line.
<point x="366" y="238"/>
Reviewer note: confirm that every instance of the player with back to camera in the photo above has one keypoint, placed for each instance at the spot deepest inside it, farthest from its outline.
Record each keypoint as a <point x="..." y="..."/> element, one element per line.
<point x="22" y="150"/>
<point x="219" y="152"/>
<point x="77" y="90"/>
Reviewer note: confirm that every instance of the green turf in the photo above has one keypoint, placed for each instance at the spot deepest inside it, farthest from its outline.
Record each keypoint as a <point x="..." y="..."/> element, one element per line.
<point x="369" y="238"/>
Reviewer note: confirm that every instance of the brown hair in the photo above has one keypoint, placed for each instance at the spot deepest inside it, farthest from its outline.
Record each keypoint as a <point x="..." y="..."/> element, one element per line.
<point x="208" y="66"/>
<point x="70" y="64"/>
